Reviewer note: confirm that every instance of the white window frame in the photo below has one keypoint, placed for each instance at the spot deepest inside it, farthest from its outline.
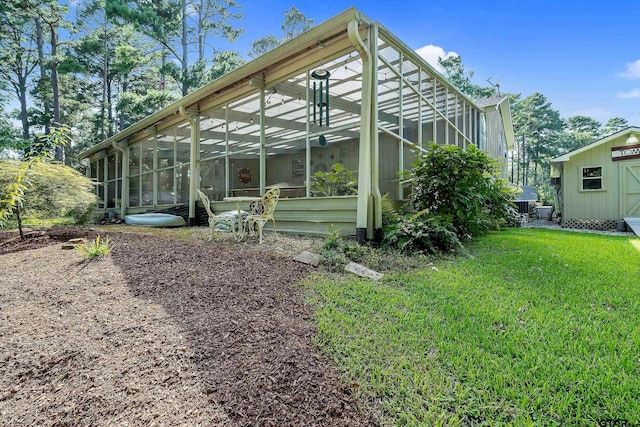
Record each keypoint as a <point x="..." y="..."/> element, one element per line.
<point x="582" y="178"/>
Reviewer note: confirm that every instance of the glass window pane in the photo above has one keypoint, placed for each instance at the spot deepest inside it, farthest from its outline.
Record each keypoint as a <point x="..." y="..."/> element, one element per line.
<point x="94" y="170"/>
<point x="212" y="134"/>
<point x="100" y="170"/>
<point x="286" y="168"/>
<point x="111" y="194"/>
<point x="111" y="166"/>
<point x="183" y="143"/>
<point x="182" y="183"/>
<point x="134" y="191"/>
<point x="166" y="151"/>
<point x="134" y="159"/>
<point x="212" y="178"/>
<point x="147" y="155"/>
<point x="165" y="187"/>
<point x="147" y="189"/>
<point x="592" y="184"/>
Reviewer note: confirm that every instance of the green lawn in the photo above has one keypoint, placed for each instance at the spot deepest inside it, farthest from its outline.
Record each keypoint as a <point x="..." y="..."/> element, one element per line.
<point x="534" y="327"/>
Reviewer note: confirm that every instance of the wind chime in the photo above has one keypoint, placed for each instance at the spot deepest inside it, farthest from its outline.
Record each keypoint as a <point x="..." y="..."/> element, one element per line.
<point x="321" y="95"/>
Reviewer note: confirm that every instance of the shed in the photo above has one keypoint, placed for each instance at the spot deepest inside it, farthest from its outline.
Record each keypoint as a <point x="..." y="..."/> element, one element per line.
<point x="598" y="185"/>
<point x="526" y="199"/>
<point x="346" y="91"/>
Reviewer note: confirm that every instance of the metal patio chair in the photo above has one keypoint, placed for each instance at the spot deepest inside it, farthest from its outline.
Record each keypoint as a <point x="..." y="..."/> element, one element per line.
<point x="213" y="218"/>
<point x="261" y="211"/>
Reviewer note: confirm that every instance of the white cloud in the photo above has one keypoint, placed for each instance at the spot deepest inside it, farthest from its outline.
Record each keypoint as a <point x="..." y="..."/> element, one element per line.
<point x="635" y="93"/>
<point x="431" y="54"/>
<point x="633" y="70"/>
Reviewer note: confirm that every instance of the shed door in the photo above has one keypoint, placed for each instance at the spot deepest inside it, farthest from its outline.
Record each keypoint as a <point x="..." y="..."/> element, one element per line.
<point x="630" y="189"/>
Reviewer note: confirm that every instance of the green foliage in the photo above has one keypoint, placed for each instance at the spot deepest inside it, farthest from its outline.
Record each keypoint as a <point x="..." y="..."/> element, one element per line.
<point x="529" y="331"/>
<point x="459" y="76"/>
<point x="95" y="248"/>
<point x="336" y="182"/>
<point x="614" y="125"/>
<point x="337" y="251"/>
<point x="460" y="186"/>
<point x="422" y="233"/>
<point x="295" y="23"/>
<point x="44" y="190"/>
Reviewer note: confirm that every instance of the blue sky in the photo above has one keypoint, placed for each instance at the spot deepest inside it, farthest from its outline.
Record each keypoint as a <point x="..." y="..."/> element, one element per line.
<point x="584" y="56"/>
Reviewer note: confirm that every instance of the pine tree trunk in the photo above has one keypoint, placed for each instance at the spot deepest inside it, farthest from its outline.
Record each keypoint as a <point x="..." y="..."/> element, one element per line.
<point x="55" y="89"/>
<point x="185" y="49"/>
<point x="43" y="76"/>
<point x="201" y="33"/>
<point x="24" y="118"/>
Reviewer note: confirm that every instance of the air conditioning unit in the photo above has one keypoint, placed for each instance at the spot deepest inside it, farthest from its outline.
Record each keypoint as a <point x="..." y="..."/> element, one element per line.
<point x="555" y="182"/>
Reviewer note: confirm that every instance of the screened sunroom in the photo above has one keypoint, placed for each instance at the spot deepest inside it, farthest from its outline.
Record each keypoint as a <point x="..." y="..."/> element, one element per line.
<point x="345" y="92"/>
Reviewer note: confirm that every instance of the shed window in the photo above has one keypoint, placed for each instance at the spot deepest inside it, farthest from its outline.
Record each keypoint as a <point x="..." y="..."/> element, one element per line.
<point x="592" y="178"/>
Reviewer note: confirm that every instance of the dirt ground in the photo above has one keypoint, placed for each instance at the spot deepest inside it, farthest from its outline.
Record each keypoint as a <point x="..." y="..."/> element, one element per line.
<point x="162" y="332"/>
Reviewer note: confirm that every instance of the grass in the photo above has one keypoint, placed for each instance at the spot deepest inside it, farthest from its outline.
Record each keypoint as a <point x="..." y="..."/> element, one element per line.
<point x="533" y="327"/>
<point x="95" y="248"/>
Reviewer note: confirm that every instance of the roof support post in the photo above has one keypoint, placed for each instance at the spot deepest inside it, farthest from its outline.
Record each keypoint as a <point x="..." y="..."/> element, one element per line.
<point x="194" y="161"/>
<point x="375" y="144"/>
<point x="123" y="147"/>
<point x="364" y="154"/>
<point x="263" y="143"/>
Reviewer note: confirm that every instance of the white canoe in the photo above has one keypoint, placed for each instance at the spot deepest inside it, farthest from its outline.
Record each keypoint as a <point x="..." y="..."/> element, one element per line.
<point x="155" y="220"/>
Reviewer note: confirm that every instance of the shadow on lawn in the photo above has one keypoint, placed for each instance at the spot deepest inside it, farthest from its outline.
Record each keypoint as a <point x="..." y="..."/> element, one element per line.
<point x="248" y="327"/>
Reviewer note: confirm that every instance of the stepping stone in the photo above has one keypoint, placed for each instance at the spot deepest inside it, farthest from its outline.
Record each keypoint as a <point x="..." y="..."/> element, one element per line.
<point x="363" y="271"/>
<point x="307" y="257"/>
<point x="72" y="243"/>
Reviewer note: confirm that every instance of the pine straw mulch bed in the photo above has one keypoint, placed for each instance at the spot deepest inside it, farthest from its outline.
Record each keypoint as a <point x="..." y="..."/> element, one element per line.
<point x="161" y="332"/>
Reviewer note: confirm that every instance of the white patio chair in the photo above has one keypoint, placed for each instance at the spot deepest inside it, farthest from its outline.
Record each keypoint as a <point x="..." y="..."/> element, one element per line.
<point x="213" y="218"/>
<point x="262" y="211"/>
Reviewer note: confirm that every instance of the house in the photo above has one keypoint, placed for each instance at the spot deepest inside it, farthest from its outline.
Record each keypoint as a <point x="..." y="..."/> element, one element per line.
<point x="599" y="184"/>
<point x="499" y="128"/>
<point x="347" y="91"/>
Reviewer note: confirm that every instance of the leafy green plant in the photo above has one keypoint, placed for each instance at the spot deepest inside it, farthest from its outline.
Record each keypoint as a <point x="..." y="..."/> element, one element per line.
<point x="95" y="248"/>
<point x="422" y="232"/>
<point x="337" y="251"/>
<point x="337" y="182"/>
<point x="15" y="176"/>
<point x="462" y="186"/>
<point x="42" y="190"/>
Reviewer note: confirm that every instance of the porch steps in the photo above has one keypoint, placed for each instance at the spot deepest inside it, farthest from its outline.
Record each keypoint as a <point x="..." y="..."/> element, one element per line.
<point x="634" y="224"/>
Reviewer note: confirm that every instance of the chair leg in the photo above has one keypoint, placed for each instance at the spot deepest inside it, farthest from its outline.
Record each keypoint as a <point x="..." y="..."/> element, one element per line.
<point x="260" y="225"/>
<point x="274" y="227"/>
<point x="211" y="227"/>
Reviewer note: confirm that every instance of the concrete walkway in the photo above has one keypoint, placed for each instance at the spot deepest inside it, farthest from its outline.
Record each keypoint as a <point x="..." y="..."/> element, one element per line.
<point x="543" y="223"/>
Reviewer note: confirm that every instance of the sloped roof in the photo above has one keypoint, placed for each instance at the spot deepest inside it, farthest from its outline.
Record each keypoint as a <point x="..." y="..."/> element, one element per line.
<point x="501" y="103"/>
<point x="491" y="101"/>
<point x="565" y="157"/>
<point x="529" y="193"/>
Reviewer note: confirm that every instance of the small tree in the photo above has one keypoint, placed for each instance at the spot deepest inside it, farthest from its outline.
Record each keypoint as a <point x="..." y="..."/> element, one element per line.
<point x="36" y="186"/>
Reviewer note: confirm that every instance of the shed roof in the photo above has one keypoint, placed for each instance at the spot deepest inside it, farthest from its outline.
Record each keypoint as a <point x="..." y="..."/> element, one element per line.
<point x="565" y="157"/>
<point x="529" y="193"/>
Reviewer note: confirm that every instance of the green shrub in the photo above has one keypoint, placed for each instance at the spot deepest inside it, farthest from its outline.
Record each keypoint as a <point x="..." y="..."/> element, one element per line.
<point x="337" y="251"/>
<point x="50" y="190"/>
<point x="95" y="248"/>
<point x="422" y="232"/>
<point x="462" y="186"/>
<point x="337" y="182"/>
